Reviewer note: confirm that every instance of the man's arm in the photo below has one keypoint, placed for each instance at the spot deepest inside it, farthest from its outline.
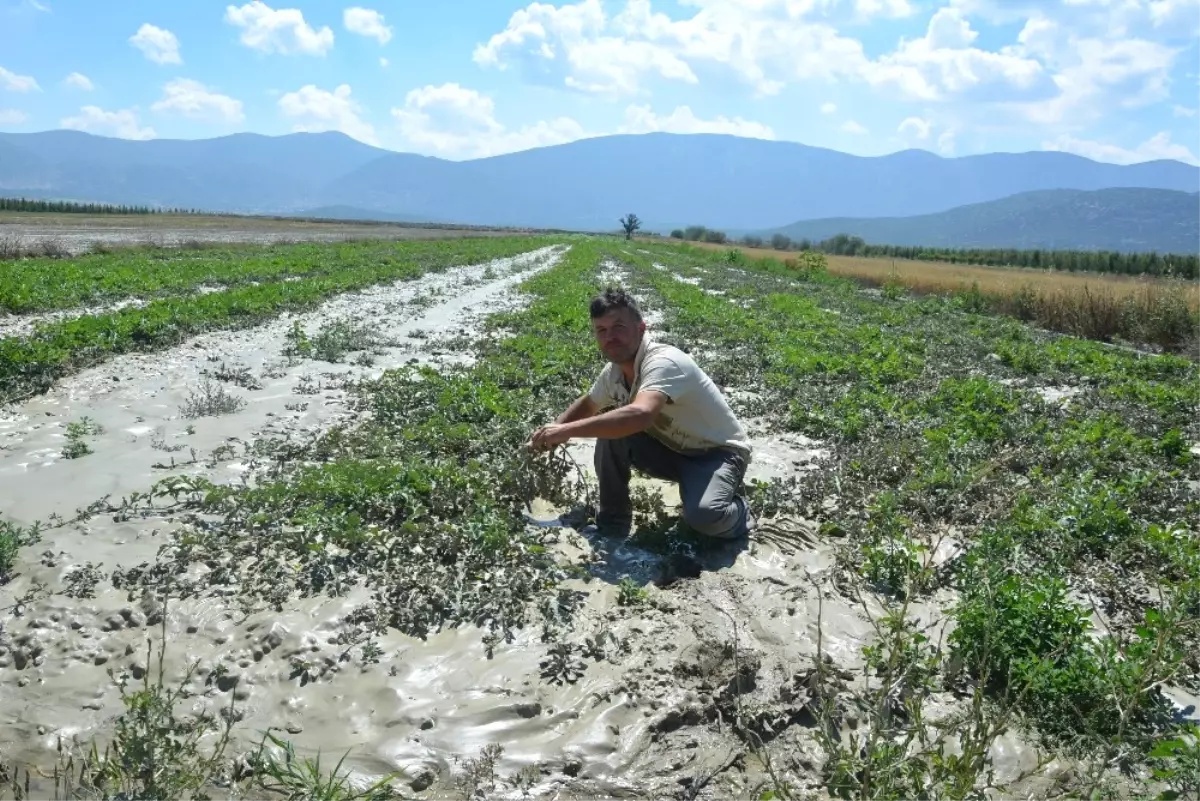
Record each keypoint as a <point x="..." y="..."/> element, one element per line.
<point x="621" y="422"/>
<point x="583" y="408"/>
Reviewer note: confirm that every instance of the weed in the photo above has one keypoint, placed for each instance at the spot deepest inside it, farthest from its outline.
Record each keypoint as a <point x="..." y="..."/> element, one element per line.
<point x="77" y="431"/>
<point x="238" y="375"/>
<point x="630" y="594"/>
<point x="153" y="753"/>
<point x="301" y="779"/>
<point x="81" y="582"/>
<point x="210" y="400"/>
<point x="12" y="539"/>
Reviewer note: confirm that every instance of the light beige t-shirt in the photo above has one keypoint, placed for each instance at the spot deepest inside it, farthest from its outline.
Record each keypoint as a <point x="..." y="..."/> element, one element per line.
<point x="696" y="417"/>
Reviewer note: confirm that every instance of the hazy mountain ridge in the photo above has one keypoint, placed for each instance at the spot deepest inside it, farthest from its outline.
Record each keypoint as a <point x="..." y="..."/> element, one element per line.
<point x="1120" y="219"/>
<point x="668" y="180"/>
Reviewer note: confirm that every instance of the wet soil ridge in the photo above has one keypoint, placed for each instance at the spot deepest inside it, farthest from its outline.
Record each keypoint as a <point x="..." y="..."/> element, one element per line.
<point x="269" y="282"/>
<point x="976" y="571"/>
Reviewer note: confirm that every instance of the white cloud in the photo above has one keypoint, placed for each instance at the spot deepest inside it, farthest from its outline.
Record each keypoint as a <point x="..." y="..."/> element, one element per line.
<point x="1183" y="111"/>
<point x="278" y="31"/>
<point x="1158" y="146"/>
<point x="366" y="22"/>
<point x="764" y="43"/>
<point x="944" y="65"/>
<point x="915" y="127"/>
<point x="852" y="127"/>
<point x="193" y="99"/>
<point x="383" y="62"/>
<point x="451" y="120"/>
<point x="946" y="142"/>
<point x="318" y="110"/>
<point x="1097" y="76"/>
<point x="12" y="116"/>
<point x="883" y="8"/>
<point x="829" y="108"/>
<point x="157" y="44"/>
<point x="17" y="83"/>
<point x="77" y="80"/>
<point x="641" y="119"/>
<point x="122" y="123"/>
<point x="1184" y="14"/>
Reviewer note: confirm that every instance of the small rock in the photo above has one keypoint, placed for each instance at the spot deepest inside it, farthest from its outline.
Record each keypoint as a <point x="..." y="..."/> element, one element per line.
<point x="23" y="681"/>
<point x="528" y="710"/>
<point x="100" y="658"/>
<point x="572" y="766"/>
<point x="41" y="731"/>
<point x="114" y="623"/>
<point x="422" y="780"/>
<point x="137" y="669"/>
<point x="427" y="723"/>
<point x="294" y="728"/>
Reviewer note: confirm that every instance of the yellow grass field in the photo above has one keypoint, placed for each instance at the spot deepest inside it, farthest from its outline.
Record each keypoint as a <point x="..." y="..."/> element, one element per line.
<point x="941" y="277"/>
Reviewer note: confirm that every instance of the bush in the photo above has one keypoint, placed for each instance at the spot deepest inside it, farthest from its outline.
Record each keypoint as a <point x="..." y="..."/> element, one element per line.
<point x="781" y="242"/>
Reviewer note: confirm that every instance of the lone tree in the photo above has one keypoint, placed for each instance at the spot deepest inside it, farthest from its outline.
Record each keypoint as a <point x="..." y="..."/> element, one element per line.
<point x="630" y="223"/>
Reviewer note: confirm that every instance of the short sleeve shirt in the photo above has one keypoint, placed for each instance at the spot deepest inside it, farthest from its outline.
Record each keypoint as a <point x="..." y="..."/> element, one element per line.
<point x="697" y="417"/>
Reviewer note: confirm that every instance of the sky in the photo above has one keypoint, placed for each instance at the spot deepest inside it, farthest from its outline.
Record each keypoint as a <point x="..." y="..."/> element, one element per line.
<point x="1113" y="80"/>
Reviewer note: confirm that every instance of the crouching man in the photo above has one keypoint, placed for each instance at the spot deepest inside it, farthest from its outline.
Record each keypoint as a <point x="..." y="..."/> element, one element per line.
<point x="653" y="408"/>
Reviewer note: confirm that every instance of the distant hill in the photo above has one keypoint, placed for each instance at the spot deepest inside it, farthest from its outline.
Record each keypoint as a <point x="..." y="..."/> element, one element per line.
<point x="668" y="180"/>
<point x="1122" y="219"/>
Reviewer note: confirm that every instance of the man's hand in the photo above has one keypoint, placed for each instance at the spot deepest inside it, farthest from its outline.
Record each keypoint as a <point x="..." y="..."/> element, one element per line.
<point x="548" y="437"/>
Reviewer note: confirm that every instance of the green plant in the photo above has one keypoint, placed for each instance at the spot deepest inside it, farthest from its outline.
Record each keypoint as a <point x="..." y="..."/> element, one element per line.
<point x="12" y="539"/>
<point x="153" y="753"/>
<point x="630" y="594"/>
<point x="210" y="400"/>
<point x="296" y="778"/>
<point x="77" y="445"/>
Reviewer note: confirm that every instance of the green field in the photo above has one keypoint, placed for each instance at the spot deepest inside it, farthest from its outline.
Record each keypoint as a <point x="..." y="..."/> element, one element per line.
<point x="1014" y="511"/>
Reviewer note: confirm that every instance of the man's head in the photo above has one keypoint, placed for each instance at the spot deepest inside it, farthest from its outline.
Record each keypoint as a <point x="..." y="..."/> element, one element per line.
<point x="618" y="325"/>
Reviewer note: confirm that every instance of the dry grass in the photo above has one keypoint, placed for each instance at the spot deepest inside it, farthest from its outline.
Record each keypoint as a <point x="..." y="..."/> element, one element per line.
<point x="929" y="277"/>
<point x="1139" y="309"/>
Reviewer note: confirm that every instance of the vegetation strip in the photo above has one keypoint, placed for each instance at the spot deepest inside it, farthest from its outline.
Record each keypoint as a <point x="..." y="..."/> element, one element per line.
<point x="1177" y="265"/>
<point x="1056" y="511"/>
<point x="32" y="364"/>
<point x="32" y="285"/>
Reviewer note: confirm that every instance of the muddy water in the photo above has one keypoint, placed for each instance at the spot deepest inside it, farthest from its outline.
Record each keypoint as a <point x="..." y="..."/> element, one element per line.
<point x="649" y="714"/>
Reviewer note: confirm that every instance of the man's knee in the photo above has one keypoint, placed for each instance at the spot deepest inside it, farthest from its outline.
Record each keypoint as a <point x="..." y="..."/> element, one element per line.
<point x="713" y="520"/>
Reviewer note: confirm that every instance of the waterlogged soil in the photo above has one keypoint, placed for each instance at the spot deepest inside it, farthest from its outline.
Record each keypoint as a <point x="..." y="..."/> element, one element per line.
<point x="630" y="724"/>
<point x="663" y="678"/>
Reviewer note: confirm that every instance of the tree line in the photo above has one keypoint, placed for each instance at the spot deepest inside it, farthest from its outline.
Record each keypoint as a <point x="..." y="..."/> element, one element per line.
<point x="68" y="207"/>
<point x="1097" y="261"/>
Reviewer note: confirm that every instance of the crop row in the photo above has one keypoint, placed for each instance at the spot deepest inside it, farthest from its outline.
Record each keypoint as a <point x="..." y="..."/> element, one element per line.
<point x="32" y="285"/>
<point x="32" y="364"/>
<point x="940" y="433"/>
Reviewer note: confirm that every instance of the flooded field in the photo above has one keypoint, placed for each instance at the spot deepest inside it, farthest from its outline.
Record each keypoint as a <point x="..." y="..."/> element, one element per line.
<point x="313" y="497"/>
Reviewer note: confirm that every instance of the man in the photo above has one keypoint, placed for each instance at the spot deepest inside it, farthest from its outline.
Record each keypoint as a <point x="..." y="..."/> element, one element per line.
<point x="670" y="421"/>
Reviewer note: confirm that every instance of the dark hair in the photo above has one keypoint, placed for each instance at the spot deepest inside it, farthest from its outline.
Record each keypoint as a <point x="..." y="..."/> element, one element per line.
<point x="614" y="298"/>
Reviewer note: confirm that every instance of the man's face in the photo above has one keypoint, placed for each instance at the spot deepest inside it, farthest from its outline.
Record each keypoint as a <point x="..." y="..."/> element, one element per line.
<point x="619" y="335"/>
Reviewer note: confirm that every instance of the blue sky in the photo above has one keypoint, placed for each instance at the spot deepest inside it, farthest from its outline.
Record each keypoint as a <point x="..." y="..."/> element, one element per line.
<point x="1114" y="80"/>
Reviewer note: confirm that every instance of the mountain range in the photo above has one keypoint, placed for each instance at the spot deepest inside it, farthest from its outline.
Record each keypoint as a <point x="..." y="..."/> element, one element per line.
<point x="1121" y="219"/>
<point x="668" y="180"/>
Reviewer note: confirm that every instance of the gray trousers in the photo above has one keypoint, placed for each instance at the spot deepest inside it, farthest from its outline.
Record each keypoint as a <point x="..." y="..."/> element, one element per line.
<point x="709" y="483"/>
